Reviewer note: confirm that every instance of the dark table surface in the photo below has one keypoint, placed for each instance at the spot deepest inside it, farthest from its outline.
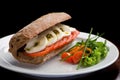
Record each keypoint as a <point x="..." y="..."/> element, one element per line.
<point x="103" y="16"/>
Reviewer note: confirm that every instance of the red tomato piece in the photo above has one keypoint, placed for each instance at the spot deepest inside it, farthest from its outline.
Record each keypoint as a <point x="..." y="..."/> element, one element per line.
<point x="77" y="56"/>
<point x="66" y="56"/>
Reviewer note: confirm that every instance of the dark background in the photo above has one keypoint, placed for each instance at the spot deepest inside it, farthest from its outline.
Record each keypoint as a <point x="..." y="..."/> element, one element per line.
<point x="103" y="16"/>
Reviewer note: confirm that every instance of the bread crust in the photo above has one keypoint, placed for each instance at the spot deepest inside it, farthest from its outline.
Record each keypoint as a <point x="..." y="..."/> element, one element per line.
<point x="20" y="38"/>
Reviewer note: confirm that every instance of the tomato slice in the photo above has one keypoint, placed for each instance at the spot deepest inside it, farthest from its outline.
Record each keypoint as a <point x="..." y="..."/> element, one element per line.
<point x="60" y="43"/>
<point x="72" y="58"/>
<point x="75" y="33"/>
<point x="66" y="56"/>
<point x="77" y="57"/>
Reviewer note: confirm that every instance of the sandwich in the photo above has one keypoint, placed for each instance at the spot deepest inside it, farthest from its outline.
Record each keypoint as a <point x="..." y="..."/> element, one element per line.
<point x="42" y="39"/>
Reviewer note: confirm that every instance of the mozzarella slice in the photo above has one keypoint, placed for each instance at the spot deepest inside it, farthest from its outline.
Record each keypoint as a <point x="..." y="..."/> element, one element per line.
<point x="36" y="44"/>
<point x="31" y="43"/>
<point x="51" y="38"/>
<point x="65" y="29"/>
<point x="58" y="33"/>
<point x="72" y="29"/>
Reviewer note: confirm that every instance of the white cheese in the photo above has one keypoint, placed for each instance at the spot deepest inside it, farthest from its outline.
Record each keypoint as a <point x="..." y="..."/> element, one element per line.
<point x="48" y="38"/>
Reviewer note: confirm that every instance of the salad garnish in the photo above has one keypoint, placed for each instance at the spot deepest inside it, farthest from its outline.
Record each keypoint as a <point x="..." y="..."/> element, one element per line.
<point x="86" y="53"/>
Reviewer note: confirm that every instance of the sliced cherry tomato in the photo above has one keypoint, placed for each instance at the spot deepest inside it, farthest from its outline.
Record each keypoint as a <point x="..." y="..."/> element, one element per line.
<point x="77" y="56"/>
<point x="72" y="58"/>
<point x="66" y="56"/>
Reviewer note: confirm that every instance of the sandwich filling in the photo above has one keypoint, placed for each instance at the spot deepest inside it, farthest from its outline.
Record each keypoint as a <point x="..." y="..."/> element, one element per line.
<point x="51" y="39"/>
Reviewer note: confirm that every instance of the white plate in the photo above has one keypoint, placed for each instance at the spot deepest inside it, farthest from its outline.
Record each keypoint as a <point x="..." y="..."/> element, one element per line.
<point x="54" y="68"/>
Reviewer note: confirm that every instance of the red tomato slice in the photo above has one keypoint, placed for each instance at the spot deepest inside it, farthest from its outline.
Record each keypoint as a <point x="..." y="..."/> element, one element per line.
<point x="69" y="39"/>
<point x="77" y="56"/>
<point x="66" y="56"/>
<point x="74" y="34"/>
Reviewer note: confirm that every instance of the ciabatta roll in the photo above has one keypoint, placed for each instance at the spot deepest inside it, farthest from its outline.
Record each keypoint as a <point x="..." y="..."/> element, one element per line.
<point x="42" y="39"/>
